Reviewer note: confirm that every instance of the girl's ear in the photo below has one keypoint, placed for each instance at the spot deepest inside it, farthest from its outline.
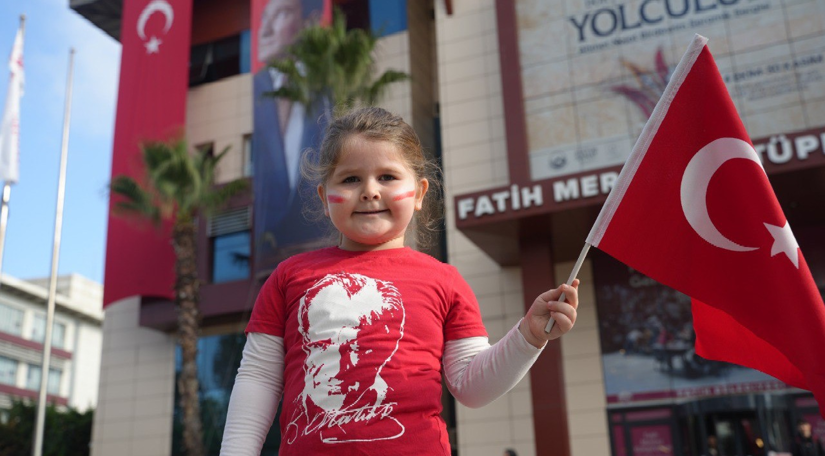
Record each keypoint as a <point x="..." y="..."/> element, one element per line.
<point x="322" y="193"/>
<point x="423" y="186"/>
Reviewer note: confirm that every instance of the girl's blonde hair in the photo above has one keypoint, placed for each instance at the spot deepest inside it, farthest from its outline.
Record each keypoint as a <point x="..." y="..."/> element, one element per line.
<point x="377" y="124"/>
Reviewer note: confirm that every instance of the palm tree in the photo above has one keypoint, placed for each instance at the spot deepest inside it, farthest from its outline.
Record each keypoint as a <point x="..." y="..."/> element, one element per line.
<point x="330" y="61"/>
<point x="179" y="186"/>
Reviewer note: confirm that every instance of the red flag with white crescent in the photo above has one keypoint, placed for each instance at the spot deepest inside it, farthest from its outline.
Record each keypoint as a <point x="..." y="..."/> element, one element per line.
<point x="154" y="79"/>
<point x="694" y="210"/>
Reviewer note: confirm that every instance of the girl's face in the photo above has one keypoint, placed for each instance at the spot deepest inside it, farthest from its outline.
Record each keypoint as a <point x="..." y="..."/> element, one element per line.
<point x="372" y="195"/>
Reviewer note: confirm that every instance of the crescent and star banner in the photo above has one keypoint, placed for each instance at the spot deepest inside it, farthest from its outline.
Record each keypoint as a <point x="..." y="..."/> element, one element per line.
<point x="154" y="71"/>
<point x="694" y="210"/>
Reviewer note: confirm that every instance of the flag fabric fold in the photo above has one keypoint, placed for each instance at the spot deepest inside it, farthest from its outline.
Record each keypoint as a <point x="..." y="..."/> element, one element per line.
<point x="694" y="210"/>
<point x="10" y="124"/>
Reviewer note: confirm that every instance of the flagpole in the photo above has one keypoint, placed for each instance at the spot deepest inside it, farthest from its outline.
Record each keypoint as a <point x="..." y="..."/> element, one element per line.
<point x="4" y="210"/>
<point x="4" y="218"/>
<point x="573" y="274"/>
<point x="37" y="450"/>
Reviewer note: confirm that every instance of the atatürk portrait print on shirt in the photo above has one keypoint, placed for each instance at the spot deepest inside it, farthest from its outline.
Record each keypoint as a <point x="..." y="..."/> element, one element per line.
<point x="351" y="326"/>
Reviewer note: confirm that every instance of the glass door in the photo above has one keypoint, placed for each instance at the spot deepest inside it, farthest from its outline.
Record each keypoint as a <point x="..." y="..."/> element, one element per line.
<point x="734" y="434"/>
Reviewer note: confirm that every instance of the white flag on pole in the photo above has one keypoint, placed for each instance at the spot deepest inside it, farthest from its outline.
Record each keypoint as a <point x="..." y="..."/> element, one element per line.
<point x="10" y="126"/>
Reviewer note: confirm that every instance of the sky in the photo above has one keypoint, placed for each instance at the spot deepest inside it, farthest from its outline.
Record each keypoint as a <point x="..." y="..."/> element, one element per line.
<point x="52" y="28"/>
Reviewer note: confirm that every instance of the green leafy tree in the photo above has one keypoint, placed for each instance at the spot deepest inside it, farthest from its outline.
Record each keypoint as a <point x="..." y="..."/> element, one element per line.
<point x="331" y="61"/>
<point x="179" y="186"/>
<point x="67" y="432"/>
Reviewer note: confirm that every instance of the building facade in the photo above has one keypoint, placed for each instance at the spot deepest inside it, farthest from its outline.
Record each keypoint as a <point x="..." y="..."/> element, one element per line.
<point x="535" y="98"/>
<point x="76" y="340"/>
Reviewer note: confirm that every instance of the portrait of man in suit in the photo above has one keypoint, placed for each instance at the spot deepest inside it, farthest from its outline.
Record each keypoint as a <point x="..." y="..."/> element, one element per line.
<point x="283" y="132"/>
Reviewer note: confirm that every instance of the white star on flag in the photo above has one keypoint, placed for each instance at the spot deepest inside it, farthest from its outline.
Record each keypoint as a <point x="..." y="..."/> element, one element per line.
<point x="153" y="45"/>
<point x="785" y="242"/>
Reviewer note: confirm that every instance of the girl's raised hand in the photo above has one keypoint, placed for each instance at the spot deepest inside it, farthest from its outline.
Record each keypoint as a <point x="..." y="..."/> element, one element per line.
<point x="546" y="306"/>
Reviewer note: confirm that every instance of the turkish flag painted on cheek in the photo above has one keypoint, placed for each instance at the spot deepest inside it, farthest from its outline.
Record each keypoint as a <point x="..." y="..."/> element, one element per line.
<point x="694" y="210"/>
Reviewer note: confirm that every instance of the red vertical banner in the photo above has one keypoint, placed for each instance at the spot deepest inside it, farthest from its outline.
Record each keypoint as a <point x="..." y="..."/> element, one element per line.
<point x="154" y="76"/>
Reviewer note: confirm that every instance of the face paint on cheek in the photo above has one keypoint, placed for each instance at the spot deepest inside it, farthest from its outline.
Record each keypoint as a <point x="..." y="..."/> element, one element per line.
<point x="404" y="195"/>
<point x="335" y="199"/>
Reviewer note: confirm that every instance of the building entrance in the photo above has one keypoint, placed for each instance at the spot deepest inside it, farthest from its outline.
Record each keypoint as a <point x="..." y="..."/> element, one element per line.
<point x="743" y="425"/>
<point x="734" y="434"/>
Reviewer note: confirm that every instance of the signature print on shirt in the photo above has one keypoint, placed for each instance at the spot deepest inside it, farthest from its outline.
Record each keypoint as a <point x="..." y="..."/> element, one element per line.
<point x="351" y="326"/>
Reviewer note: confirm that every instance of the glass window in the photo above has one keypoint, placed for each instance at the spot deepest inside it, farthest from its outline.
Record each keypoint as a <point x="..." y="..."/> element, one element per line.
<point x="230" y="257"/>
<point x="246" y="50"/>
<point x="357" y="13"/>
<point x="33" y="379"/>
<point x="248" y="168"/>
<point x="39" y="331"/>
<point x="218" y="360"/>
<point x="209" y="62"/>
<point x="388" y="17"/>
<point x="227" y="57"/>
<point x="11" y="320"/>
<point x="8" y="371"/>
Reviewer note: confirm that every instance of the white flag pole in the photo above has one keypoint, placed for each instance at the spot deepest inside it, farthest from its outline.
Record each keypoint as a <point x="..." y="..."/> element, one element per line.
<point x="573" y="274"/>
<point x="37" y="450"/>
<point x="4" y="218"/>
<point x="10" y="175"/>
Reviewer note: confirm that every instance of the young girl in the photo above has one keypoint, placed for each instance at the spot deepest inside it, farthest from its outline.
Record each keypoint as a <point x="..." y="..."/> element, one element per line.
<point x="355" y="338"/>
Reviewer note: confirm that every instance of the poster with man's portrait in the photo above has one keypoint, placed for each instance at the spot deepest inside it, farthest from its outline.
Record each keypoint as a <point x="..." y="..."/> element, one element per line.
<point x="283" y="132"/>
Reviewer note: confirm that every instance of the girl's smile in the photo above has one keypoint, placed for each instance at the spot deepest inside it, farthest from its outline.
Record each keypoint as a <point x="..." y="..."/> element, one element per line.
<point x="372" y="195"/>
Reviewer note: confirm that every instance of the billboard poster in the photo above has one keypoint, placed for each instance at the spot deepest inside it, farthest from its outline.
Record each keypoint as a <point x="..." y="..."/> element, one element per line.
<point x="647" y="342"/>
<point x="651" y="440"/>
<point x="592" y="71"/>
<point x="283" y="132"/>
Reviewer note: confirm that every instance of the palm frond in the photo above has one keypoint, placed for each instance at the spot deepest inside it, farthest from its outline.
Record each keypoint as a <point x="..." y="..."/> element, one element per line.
<point x="179" y="184"/>
<point x="375" y="91"/>
<point x="290" y="92"/>
<point x="220" y="156"/>
<point x="127" y="208"/>
<point x="155" y="155"/>
<point x="135" y="200"/>
<point x="333" y="62"/>
<point x="219" y="196"/>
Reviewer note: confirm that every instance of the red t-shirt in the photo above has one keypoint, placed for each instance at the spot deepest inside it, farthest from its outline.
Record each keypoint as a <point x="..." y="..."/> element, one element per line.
<point x="364" y="334"/>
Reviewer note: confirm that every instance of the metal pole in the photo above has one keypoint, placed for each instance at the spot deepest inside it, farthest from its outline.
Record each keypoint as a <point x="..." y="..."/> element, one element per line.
<point x="37" y="450"/>
<point x="573" y="274"/>
<point x="4" y="218"/>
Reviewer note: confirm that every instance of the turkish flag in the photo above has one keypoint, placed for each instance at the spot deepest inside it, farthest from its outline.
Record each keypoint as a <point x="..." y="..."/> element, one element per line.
<point x="151" y="105"/>
<point x="694" y="210"/>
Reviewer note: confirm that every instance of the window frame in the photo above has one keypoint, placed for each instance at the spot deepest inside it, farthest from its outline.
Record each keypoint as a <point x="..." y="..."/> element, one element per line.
<point x="56" y="343"/>
<point x="12" y="309"/>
